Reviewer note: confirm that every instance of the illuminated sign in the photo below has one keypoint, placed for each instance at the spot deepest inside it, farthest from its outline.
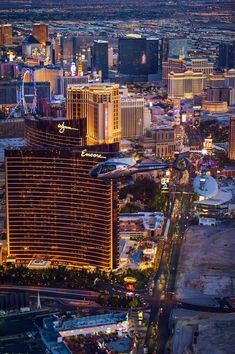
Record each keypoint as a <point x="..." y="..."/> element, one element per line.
<point x="140" y="315"/>
<point x="86" y="153"/>
<point x="165" y="180"/>
<point x="62" y="127"/>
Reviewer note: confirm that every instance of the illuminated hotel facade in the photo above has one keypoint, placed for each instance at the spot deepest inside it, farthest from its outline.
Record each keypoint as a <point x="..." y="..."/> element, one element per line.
<point x="100" y="105"/>
<point x="6" y="35"/>
<point x="185" y="85"/>
<point x="55" y="210"/>
<point x="132" y="117"/>
<point x="231" y="148"/>
<point x="40" y="32"/>
<point x="54" y="132"/>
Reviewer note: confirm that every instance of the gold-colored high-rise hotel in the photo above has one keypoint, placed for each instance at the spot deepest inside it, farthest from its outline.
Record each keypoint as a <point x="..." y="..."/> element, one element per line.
<point x="100" y="105"/>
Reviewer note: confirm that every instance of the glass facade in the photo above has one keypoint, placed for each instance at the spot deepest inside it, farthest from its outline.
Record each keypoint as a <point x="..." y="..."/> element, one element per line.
<point x="138" y="56"/>
<point x="100" y="58"/>
<point x="55" y="210"/>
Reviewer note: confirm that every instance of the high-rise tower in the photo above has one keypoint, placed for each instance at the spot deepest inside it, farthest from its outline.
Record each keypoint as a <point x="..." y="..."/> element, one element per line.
<point x="40" y="32"/>
<point x="100" y="105"/>
<point x="55" y="210"/>
<point x="100" y="58"/>
<point x="231" y="148"/>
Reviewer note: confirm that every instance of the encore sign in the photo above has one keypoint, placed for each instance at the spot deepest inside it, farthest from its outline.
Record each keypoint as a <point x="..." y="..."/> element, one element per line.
<point x="86" y="153"/>
<point x="62" y="127"/>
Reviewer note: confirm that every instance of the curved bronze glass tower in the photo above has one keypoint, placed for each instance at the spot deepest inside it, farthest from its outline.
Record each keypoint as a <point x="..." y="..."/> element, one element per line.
<point x="55" y="211"/>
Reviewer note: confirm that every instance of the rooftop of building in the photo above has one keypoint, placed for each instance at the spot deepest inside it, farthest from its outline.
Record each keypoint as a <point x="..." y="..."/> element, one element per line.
<point x="123" y="345"/>
<point x="92" y="321"/>
<point x="12" y="143"/>
<point x="93" y="86"/>
<point x="142" y="220"/>
<point x="161" y="127"/>
<point x="220" y="198"/>
<point x="206" y="186"/>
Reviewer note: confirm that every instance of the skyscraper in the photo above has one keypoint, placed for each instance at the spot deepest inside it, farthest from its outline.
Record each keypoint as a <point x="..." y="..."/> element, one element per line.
<point x="152" y="45"/>
<point x="226" y="59"/>
<point x="132" y="117"/>
<point x="48" y="73"/>
<point x="6" y="35"/>
<point x="231" y="148"/>
<point x="100" y="105"/>
<point x="67" y="50"/>
<point x="55" y="210"/>
<point x="40" y="32"/>
<point x="173" y="47"/>
<point x="138" y="56"/>
<point x="110" y="57"/>
<point x="100" y="58"/>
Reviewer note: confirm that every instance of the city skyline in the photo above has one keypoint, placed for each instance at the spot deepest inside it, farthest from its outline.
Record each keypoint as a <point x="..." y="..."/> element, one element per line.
<point x="117" y="176"/>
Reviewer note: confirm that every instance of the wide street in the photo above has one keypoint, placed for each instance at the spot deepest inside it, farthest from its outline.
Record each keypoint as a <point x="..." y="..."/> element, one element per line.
<point x="54" y="292"/>
<point x="163" y="300"/>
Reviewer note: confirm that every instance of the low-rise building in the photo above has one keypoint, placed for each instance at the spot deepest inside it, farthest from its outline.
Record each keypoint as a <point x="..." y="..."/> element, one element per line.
<point x="144" y="224"/>
<point x="161" y="139"/>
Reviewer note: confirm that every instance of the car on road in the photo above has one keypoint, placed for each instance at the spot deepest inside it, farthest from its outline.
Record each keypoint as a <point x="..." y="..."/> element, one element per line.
<point x="160" y="310"/>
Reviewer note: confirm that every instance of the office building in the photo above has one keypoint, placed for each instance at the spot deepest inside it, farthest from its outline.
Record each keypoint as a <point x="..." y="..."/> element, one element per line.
<point x="6" y="38"/>
<point x="226" y="58"/>
<point x="100" y="58"/>
<point x="173" y="47"/>
<point x="40" y="32"/>
<point x="55" y="210"/>
<point x="138" y="56"/>
<point x="132" y="117"/>
<point x="231" y="148"/>
<point x="100" y="105"/>
<point x="186" y="85"/>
